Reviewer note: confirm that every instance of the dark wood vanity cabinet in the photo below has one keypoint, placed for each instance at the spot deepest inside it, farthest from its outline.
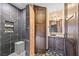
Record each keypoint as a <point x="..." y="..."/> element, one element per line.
<point x="56" y="44"/>
<point x="59" y="45"/>
<point x="51" y="43"/>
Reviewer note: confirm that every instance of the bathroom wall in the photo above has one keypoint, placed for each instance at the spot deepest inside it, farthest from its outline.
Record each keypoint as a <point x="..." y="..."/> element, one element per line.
<point x="7" y="40"/>
<point x="22" y="25"/>
<point x="72" y="29"/>
<point x="8" y="13"/>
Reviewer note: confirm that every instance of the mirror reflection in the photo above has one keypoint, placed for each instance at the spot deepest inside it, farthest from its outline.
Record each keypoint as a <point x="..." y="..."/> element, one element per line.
<point x="55" y="22"/>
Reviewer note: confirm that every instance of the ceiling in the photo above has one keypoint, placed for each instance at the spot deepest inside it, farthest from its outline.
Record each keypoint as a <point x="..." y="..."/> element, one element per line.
<point x="50" y="6"/>
<point x="20" y="5"/>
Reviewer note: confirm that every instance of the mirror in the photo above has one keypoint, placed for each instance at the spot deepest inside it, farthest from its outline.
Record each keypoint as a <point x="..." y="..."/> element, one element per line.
<point x="55" y="22"/>
<point x="56" y="26"/>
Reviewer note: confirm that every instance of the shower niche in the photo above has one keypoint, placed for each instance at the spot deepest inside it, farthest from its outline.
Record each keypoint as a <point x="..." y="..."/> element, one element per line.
<point x="9" y="27"/>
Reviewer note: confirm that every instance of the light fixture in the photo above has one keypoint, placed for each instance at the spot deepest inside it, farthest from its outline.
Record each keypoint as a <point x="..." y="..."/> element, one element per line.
<point x="71" y="5"/>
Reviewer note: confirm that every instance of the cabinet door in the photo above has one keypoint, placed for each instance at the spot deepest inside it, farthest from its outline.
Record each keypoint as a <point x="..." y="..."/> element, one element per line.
<point x="51" y="43"/>
<point x="59" y="45"/>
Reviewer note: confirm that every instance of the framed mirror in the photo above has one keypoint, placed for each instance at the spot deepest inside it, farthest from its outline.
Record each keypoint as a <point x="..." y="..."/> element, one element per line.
<point x="56" y="22"/>
<point x="56" y="25"/>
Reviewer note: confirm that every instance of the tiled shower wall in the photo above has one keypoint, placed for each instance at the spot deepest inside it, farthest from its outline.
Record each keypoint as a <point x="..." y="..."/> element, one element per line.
<point x="22" y="25"/>
<point x="8" y="13"/>
<point x="22" y="28"/>
<point x="27" y="41"/>
<point x="7" y="40"/>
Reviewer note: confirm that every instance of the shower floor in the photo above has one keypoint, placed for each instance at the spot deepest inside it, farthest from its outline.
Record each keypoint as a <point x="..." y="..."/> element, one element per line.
<point x="15" y="54"/>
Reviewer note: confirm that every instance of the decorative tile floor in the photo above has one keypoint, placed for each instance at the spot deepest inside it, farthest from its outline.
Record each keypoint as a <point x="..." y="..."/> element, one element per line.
<point x="49" y="53"/>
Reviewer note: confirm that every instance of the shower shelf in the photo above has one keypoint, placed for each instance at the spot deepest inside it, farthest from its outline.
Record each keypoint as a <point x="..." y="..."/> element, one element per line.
<point x="9" y="27"/>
